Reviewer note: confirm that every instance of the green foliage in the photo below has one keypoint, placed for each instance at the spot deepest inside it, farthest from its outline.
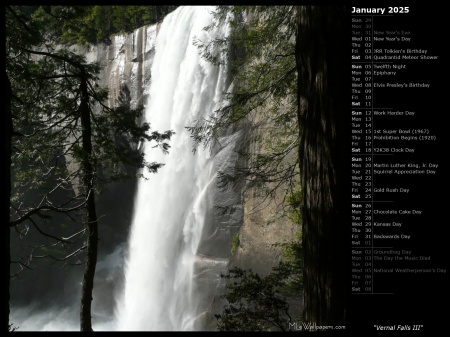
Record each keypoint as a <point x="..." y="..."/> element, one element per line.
<point x="293" y="254"/>
<point x="255" y="303"/>
<point x="16" y="18"/>
<point x="293" y="251"/>
<point x="294" y="201"/>
<point x="69" y="24"/>
<point x="234" y="242"/>
<point x="93" y="24"/>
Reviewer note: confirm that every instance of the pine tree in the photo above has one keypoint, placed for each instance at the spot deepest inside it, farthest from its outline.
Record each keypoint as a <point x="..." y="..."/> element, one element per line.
<point x="70" y="142"/>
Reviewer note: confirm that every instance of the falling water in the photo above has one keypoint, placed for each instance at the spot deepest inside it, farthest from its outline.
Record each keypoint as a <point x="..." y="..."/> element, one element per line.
<point x="170" y="207"/>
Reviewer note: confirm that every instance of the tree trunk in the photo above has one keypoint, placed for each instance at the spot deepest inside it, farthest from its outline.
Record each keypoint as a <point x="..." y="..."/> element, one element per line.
<point x="321" y="72"/>
<point x="88" y="185"/>
<point x="7" y="122"/>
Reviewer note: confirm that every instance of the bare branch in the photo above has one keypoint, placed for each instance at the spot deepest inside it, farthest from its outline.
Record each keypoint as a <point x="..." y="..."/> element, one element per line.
<point x="48" y="235"/>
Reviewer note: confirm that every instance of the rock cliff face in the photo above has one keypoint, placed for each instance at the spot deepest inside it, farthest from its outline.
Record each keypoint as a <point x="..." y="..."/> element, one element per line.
<point x="126" y="64"/>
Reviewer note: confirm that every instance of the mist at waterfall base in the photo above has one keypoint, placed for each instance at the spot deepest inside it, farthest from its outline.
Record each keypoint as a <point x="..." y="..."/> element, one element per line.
<point x="160" y="257"/>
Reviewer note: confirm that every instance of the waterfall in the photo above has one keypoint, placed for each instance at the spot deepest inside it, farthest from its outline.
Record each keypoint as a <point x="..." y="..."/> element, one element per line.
<point x="170" y="206"/>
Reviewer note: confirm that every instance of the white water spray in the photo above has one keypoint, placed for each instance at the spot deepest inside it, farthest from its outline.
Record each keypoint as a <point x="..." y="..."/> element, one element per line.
<point x="169" y="209"/>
